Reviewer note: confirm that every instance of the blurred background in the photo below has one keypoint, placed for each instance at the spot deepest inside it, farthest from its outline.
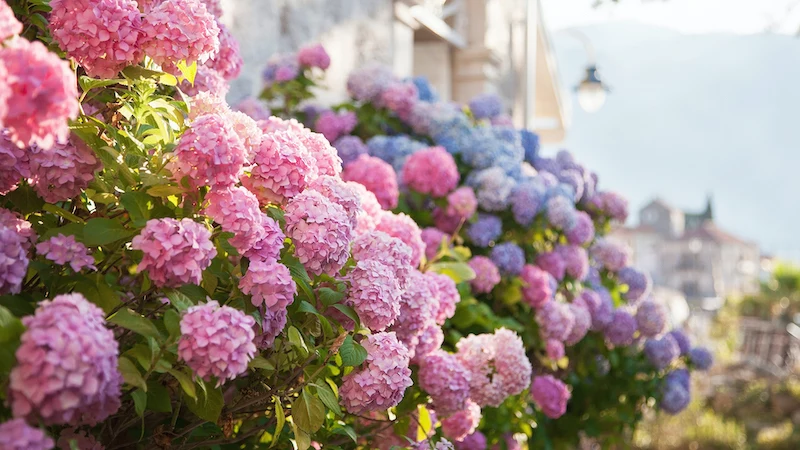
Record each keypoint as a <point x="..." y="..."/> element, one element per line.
<point x="686" y="107"/>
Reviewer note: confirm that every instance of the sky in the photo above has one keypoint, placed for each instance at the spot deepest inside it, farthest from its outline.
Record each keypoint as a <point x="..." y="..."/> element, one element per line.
<point x="686" y="16"/>
<point x="718" y="82"/>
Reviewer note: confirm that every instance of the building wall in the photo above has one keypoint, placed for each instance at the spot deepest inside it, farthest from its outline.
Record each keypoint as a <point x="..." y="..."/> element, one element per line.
<point x="353" y="32"/>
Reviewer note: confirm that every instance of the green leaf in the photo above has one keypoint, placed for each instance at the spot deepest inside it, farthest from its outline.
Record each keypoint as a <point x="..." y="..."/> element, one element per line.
<point x="11" y="329"/>
<point x="302" y="439"/>
<point x="208" y="405"/>
<point x="97" y="291"/>
<point x="130" y="373"/>
<point x="61" y="212"/>
<point x="329" y="296"/>
<point x="259" y="362"/>
<point x="349" y="312"/>
<point x="328" y="398"/>
<point x="172" y="321"/>
<point x="186" y="383"/>
<point x="24" y="199"/>
<point x="346" y="431"/>
<point x="308" y="412"/>
<point x="138" y="205"/>
<point x="280" y="416"/>
<point x="139" y="401"/>
<point x="297" y="340"/>
<point x="352" y="353"/>
<point x="179" y="300"/>
<point x="458" y="271"/>
<point x="70" y="229"/>
<point x="89" y="83"/>
<point x="127" y="318"/>
<point x="158" y="399"/>
<point x="104" y="231"/>
<point x="188" y="72"/>
<point x="165" y="190"/>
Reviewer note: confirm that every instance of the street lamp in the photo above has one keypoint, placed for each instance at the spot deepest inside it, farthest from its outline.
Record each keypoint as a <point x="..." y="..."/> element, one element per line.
<point x="591" y="90"/>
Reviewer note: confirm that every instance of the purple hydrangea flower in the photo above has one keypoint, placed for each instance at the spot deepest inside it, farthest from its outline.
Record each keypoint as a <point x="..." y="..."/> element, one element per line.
<point x="638" y="282"/>
<point x="18" y="435"/>
<point x="576" y="260"/>
<point x="486" y="106"/>
<point x="683" y="341"/>
<point x="66" y="250"/>
<point x="701" y="357"/>
<point x="561" y="212"/>
<point x="526" y="200"/>
<point x="661" y="352"/>
<point x="487" y="276"/>
<point x="651" y="318"/>
<point x="550" y="395"/>
<point x="600" y="307"/>
<point x="485" y="230"/>
<point x="674" y="397"/>
<point x="349" y="148"/>
<point x="474" y="441"/>
<point x="446" y="380"/>
<point x="509" y="258"/>
<point x="582" y="231"/>
<point x="530" y="142"/>
<point x="609" y="253"/>
<point x="621" y="329"/>
<point x="555" y="320"/>
<point x="680" y="376"/>
<point x="13" y="260"/>
<point x="493" y="188"/>
<point x="552" y="263"/>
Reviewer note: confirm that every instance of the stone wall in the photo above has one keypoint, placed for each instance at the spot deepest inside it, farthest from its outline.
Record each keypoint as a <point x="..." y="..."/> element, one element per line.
<point x="352" y="31"/>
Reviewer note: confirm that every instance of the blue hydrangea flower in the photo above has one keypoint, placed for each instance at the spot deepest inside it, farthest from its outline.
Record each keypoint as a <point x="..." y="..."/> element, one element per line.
<point x="527" y="199"/>
<point x="493" y="146"/>
<point x="661" y="352"/>
<point x="492" y="188"/>
<point x="574" y="179"/>
<point x="566" y="161"/>
<point x="349" y="148"/>
<point x="561" y="212"/>
<point x="486" y="106"/>
<point x="530" y="143"/>
<point x="486" y="229"/>
<point x="683" y="341"/>
<point x="546" y="165"/>
<point x="674" y="397"/>
<point x="561" y="190"/>
<point x="679" y="376"/>
<point x="701" y="357"/>
<point x="425" y="91"/>
<point x="394" y="149"/>
<point x="509" y="258"/>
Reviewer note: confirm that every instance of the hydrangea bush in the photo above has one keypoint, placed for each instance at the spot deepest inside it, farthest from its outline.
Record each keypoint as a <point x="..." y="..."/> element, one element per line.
<point x="178" y="273"/>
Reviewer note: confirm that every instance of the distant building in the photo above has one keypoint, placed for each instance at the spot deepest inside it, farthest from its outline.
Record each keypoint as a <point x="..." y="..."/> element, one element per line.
<point x="689" y="253"/>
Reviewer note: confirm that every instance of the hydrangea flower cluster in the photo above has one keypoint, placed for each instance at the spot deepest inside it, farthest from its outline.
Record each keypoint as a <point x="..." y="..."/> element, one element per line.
<point x="448" y="296"/>
<point x="367" y="83"/>
<point x="431" y="171"/>
<point x="174" y="252"/>
<point x="375" y="293"/>
<point x="404" y="228"/>
<point x="486" y="106"/>
<point x="227" y="62"/>
<point x="283" y="168"/>
<point x="497" y="365"/>
<point x="621" y="328"/>
<point x="550" y="395"/>
<point x="419" y="303"/>
<point x="383" y="378"/>
<point x="83" y="440"/>
<point x="556" y="320"/>
<point x="639" y="283"/>
<point x="102" y="36"/>
<point x="377" y="176"/>
<point x="475" y="441"/>
<point x="237" y="211"/>
<point x="651" y="318"/>
<point x="395" y="150"/>
<point x="538" y="286"/>
<point x="314" y="56"/>
<point x="66" y="370"/>
<point x="66" y="250"/>
<point x="61" y="172"/>
<point x="463" y="423"/>
<point x="485" y="230"/>
<point x="13" y="260"/>
<point x="334" y="125"/>
<point x="18" y="435"/>
<point x="446" y="380"/>
<point x="40" y="94"/>
<point x="270" y="283"/>
<point x="487" y="275"/>
<point x="9" y="25"/>
<point x="508" y="257"/>
<point x="399" y="97"/>
<point x="701" y="358"/>
<point x="180" y="30"/>
<point x="610" y="254"/>
<point x="675" y="396"/>
<point x="349" y="148"/>
<point x="216" y="341"/>
<point x="433" y="238"/>
<point x="661" y="351"/>
<point x="320" y="230"/>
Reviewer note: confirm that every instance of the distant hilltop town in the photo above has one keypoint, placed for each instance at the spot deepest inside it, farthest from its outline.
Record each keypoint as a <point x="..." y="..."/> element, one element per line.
<point x="687" y="252"/>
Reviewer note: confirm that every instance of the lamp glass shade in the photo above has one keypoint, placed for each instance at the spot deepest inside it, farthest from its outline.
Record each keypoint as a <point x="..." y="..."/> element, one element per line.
<point x="591" y="95"/>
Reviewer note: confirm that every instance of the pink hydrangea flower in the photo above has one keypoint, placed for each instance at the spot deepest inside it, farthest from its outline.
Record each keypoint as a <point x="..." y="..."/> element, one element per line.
<point x="651" y="318"/>
<point x="16" y="434"/>
<point x="273" y="124"/>
<point x="431" y="339"/>
<point x="550" y="395"/>
<point x="247" y="129"/>
<point x="377" y="176"/>
<point x="487" y="276"/>
<point x="433" y="239"/>
<point x="552" y="263"/>
<point x="328" y="161"/>
<point x="13" y="260"/>
<point x="555" y="320"/>
<point x="374" y="293"/>
<point x="10" y="174"/>
<point x="462" y="202"/>
<point x="448" y="295"/>
<point x="334" y="125"/>
<point x="463" y="423"/>
<point x="21" y="226"/>
<point x="611" y="204"/>
<point x="269" y="283"/>
<point x="404" y="228"/>
<point x="621" y="329"/>
<point x="214" y="7"/>
<point x="554" y="349"/>
<point x="216" y="341"/>
<point x="600" y="306"/>
<point x="399" y="97"/>
<point x="576" y="260"/>
<point x="228" y="61"/>
<point x="272" y="323"/>
<point x="209" y="153"/>
<point x="9" y="25"/>
<point x="83" y="440"/>
<point x="206" y="103"/>
<point x="283" y="168"/>
<point x="388" y="250"/>
<point x="582" y="232"/>
<point x="254" y="108"/>
<point x="61" y="172"/>
<point x="446" y="380"/>
<point x="538" y="286"/>
<point x="418" y="306"/>
<point x="65" y="249"/>
<point x="475" y="441"/>
<point x="344" y="193"/>
<point x="382" y="380"/>
<point x="42" y="94"/>
<point x="431" y="171"/>
<point x="180" y="30"/>
<point x="102" y="36"/>
<point x="497" y="364"/>
<point x="320" y="230"/>
<point x="271" y="242"/>
<point x="583" y="321"/>
<point x="66" y="370"/>
<point x="237" y="210"/>
<point x="175" y="252"/>
<point x="611" y="254"/>
<point x="314" y="56"/>
<point x="367" y="218"/>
